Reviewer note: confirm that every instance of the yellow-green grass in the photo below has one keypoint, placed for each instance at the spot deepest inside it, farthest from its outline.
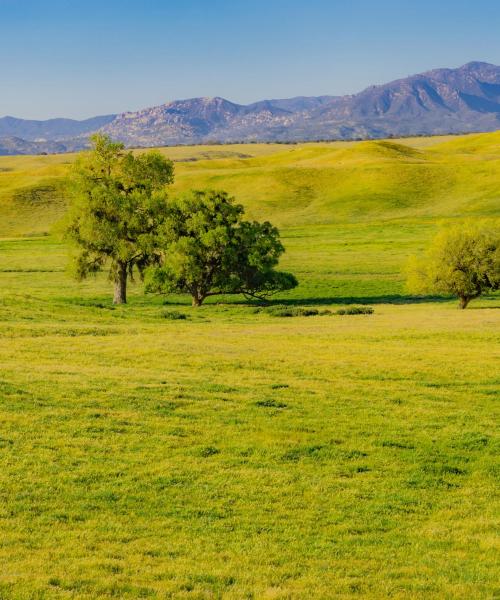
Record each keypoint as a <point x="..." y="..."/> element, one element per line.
<point x="239" y="455"/>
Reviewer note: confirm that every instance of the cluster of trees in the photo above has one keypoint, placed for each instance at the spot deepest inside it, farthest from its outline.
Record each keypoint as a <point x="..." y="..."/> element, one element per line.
<point x="121" y="217"/>
<point x="200" y="244"/>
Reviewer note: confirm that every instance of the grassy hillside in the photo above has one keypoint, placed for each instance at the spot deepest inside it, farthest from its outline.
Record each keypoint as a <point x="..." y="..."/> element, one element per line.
<point x="298" y="184"/>
<point x="235" y="454"/>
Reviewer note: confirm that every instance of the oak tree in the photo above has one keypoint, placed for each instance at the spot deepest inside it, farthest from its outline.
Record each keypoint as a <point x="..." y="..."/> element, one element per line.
<point x="462" y="260"/>
<point x="119" y="203"/>
<point x="211" y="250"/>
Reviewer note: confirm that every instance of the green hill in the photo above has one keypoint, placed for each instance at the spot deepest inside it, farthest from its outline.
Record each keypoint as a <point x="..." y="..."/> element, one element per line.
<point x="295" y="185"/>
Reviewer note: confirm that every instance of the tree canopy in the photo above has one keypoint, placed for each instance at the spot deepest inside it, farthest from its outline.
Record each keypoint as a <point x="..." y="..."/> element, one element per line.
<point x="119" y="203"/>
<point x="463" y="260"/>
<point x="210" y="250"/>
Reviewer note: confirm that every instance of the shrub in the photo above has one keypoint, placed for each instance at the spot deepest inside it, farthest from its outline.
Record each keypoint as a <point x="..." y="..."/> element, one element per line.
<point x="291" y="311"/>
<point x="281" y="310"/>
<point x="355" y="310"/>
<point x="270" y="403"/>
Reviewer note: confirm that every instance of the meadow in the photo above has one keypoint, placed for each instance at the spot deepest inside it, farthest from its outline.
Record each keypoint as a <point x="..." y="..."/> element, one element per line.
<point x="233" y="454"/>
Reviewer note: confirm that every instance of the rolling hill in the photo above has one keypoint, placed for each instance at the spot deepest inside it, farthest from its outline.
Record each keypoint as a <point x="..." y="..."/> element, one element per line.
<point x="296" y="185"/>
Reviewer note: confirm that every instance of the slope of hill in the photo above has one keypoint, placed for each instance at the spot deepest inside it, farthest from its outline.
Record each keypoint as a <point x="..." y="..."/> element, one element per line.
<point x="295" y="185"/>
<point x="441" y="101"/>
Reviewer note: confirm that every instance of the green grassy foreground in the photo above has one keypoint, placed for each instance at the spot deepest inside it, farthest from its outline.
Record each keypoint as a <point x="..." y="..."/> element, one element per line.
<point x="239" y="455"/>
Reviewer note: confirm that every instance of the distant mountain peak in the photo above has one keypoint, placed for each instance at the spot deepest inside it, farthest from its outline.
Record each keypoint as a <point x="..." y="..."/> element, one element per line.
<point x="474" y="65"/>
<point x="435" y="102"/>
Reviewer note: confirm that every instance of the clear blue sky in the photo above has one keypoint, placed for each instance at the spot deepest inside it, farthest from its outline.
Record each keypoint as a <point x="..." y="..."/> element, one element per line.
<point x="80" y="58"/>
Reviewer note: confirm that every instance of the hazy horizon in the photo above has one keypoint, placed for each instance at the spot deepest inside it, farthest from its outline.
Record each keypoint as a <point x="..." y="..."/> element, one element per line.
<point x="79" y="60"/>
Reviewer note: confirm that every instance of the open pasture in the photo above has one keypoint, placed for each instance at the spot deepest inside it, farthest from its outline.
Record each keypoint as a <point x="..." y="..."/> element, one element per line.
<point x="233" y="454"/>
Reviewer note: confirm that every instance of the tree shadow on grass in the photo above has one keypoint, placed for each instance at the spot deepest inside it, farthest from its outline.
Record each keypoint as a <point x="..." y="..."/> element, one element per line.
<point x="383" y="299"/>
<point x="396" y="299"/>
<point x="239" y="301"/>
<point x="313" y="300"/>
<point x="316" y="300"/>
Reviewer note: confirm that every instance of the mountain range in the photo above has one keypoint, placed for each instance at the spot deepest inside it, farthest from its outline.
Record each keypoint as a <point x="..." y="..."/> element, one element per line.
<point x="441" y="101"/>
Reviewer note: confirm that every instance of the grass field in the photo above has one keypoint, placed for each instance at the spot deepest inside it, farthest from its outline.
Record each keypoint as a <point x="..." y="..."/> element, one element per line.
<point x="238" y="455"/>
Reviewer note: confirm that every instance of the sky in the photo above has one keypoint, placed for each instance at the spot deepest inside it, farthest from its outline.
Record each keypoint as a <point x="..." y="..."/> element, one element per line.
<point x="81" y="58"/>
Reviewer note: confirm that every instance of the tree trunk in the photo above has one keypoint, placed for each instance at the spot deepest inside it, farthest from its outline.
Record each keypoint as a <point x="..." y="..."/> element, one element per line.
<point x="198" y="300"/>
<point x="463" y="302"/>
<point x="120" y="295"/>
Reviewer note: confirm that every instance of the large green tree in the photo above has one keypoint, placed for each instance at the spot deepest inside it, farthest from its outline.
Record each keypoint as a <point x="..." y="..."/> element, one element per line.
<point x="463" y="260"/>
<point x="210" y="250"/>
<point x="119" y="203"/>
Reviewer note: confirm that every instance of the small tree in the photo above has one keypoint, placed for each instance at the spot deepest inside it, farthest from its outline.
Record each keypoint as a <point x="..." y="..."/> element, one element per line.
<point x="119" y="204"/>
<point x="209" y="250"/>
<point x="463" y="260"/>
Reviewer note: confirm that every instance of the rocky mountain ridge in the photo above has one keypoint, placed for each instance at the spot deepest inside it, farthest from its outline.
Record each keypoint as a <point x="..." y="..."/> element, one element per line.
<point x="435" y="102"/>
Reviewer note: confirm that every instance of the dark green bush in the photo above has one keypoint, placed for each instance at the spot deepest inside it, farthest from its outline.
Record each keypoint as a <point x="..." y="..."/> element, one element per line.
<point x="270" y="403"/>
<point x="282" y="310"/>
<point x="355" y="310"/>
<point x="291" y="311"/>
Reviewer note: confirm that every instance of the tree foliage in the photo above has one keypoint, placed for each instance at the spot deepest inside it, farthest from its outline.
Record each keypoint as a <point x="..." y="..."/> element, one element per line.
<point x="210" y="250"/>
<point x="463" y="260"/>
<point x="119" y="204"/>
